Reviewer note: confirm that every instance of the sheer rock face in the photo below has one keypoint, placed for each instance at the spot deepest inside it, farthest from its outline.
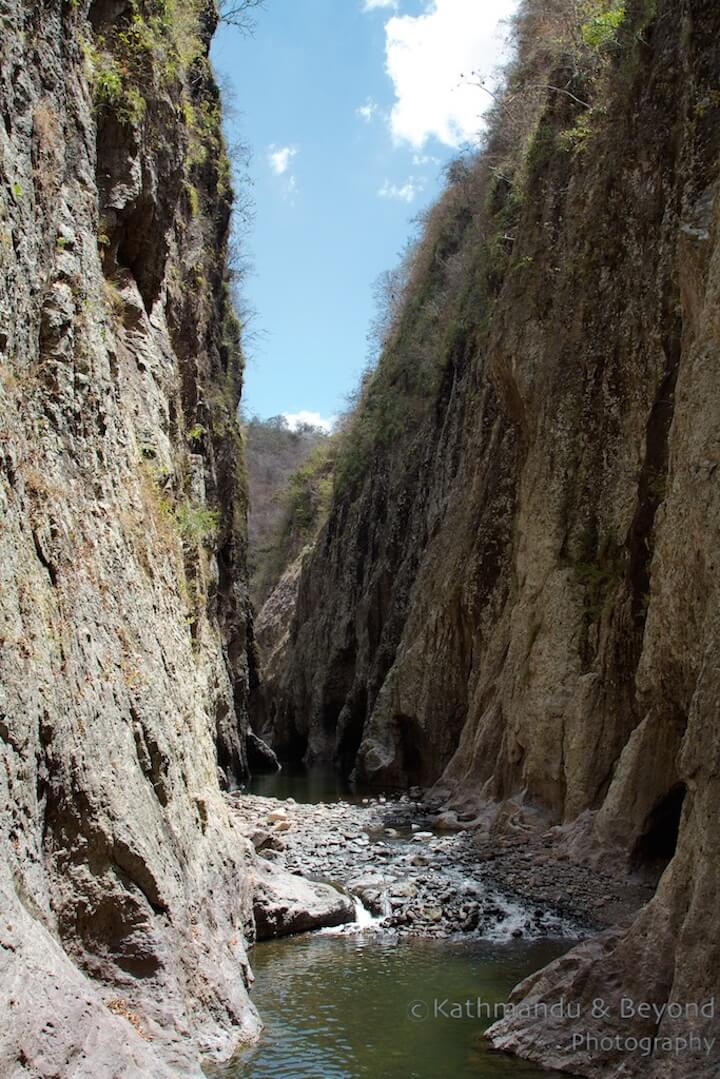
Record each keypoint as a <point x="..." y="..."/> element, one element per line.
<point x="520" y="602"/>
<point x="272" y="634"/>
<point x="124" y="667"/>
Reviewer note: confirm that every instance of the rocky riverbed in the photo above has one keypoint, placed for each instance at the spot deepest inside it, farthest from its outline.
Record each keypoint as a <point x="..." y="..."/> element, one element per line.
<point x="416" y="878"/>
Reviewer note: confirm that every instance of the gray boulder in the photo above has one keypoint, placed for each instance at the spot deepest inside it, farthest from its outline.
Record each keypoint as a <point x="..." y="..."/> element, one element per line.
<point x="285" y="903"/>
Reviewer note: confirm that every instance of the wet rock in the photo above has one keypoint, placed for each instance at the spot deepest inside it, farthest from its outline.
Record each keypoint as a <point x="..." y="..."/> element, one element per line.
<point x="431" y="914"/>
<point x="470" y="919"/>
<point x="261" y="758"/>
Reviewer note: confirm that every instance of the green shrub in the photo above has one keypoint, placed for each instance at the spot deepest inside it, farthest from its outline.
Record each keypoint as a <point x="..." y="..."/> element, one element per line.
<point x="602" y="26"/>
<point x="108" y="83"/>
<point x="197" y="523"/>
<point x="193" y="199"/>
<point x="155" y="40"/>
<point x="574" y="139"/>
<point x="196" y="433"/>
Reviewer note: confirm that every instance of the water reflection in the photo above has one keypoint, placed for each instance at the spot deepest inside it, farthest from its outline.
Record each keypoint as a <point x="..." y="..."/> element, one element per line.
<point x="341" y="1007"/>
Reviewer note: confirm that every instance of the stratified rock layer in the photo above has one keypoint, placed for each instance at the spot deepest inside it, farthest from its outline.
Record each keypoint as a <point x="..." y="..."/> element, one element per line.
<point x="124" y="665"/>
<point x="518" y="597"/>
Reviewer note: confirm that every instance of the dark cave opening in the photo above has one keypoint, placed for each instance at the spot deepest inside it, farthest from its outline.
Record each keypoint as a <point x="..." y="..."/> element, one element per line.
<point x="655" y="847"/>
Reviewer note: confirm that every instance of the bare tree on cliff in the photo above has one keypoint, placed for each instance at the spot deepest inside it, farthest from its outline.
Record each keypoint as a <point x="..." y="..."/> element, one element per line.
<point x="239" y="13"/>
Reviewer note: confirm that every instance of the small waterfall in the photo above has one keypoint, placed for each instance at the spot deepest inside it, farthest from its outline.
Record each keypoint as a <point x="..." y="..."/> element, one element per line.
<point x="363" y="917"/>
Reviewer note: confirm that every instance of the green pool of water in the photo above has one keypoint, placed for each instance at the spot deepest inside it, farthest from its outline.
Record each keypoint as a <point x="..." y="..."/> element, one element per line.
<point x="310" y="785"/>
<point x="338" y="1007"/>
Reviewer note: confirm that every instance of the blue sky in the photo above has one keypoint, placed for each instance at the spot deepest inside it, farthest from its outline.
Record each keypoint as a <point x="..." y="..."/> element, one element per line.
<point x="351" y="109"/>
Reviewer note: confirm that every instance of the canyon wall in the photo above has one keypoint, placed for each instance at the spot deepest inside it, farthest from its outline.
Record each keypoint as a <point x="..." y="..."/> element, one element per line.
<point x="125" y="636"/>
<point x="515" y="595"/>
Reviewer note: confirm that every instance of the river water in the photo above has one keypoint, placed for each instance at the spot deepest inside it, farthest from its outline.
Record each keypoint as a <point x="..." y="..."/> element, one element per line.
<point x="341" y="1004"/>
<point x="319" y="784"/>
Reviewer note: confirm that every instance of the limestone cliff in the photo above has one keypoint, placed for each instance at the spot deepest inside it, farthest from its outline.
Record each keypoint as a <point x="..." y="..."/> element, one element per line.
<point x="515" y="595"/>
<point x="125" y="665"/>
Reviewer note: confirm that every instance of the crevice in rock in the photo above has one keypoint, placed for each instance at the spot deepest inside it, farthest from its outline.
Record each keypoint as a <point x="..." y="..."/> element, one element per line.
<point x="153" y="762"/>
<point x="350" y="728"/>
<point x="44" y="560"/>
<point x="413" y="757"/>
<point x="652" y="481"/>
<point x="142" y="249"/>
<point x="231" y="752"/>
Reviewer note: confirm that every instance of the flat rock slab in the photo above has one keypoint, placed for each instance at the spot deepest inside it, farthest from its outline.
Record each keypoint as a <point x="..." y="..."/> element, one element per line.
<point x="285" y="903"/>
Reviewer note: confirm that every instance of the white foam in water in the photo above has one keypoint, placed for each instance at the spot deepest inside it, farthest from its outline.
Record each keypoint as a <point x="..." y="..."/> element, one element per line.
<point x="516" y="920"/>
<point x="513" y="918"/>
<point x="364" y="919"/>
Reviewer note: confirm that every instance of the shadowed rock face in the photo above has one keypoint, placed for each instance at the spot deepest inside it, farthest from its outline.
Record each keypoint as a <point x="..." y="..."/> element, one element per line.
<point x="518" y="599"/>
<point x="124" y="667"/>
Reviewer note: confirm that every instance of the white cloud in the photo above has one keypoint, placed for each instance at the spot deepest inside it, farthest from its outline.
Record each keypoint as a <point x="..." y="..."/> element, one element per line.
<point x="426" y="57"/>
<point x="420" y="160"/>
<point x="296" y="419"/>
<point x="367" y="111"/>
<point x="279" y="158"/>
<point x="406" y="192"/>
<point x="373" y="5"/>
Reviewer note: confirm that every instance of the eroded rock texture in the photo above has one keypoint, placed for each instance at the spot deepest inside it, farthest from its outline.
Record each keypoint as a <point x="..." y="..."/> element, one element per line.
<point x="124" y="668"/>
<point x="517" y="598"/>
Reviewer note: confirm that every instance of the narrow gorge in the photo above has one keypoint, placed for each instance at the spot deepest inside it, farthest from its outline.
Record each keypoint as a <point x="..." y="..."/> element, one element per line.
<point x="490" y="614"/>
